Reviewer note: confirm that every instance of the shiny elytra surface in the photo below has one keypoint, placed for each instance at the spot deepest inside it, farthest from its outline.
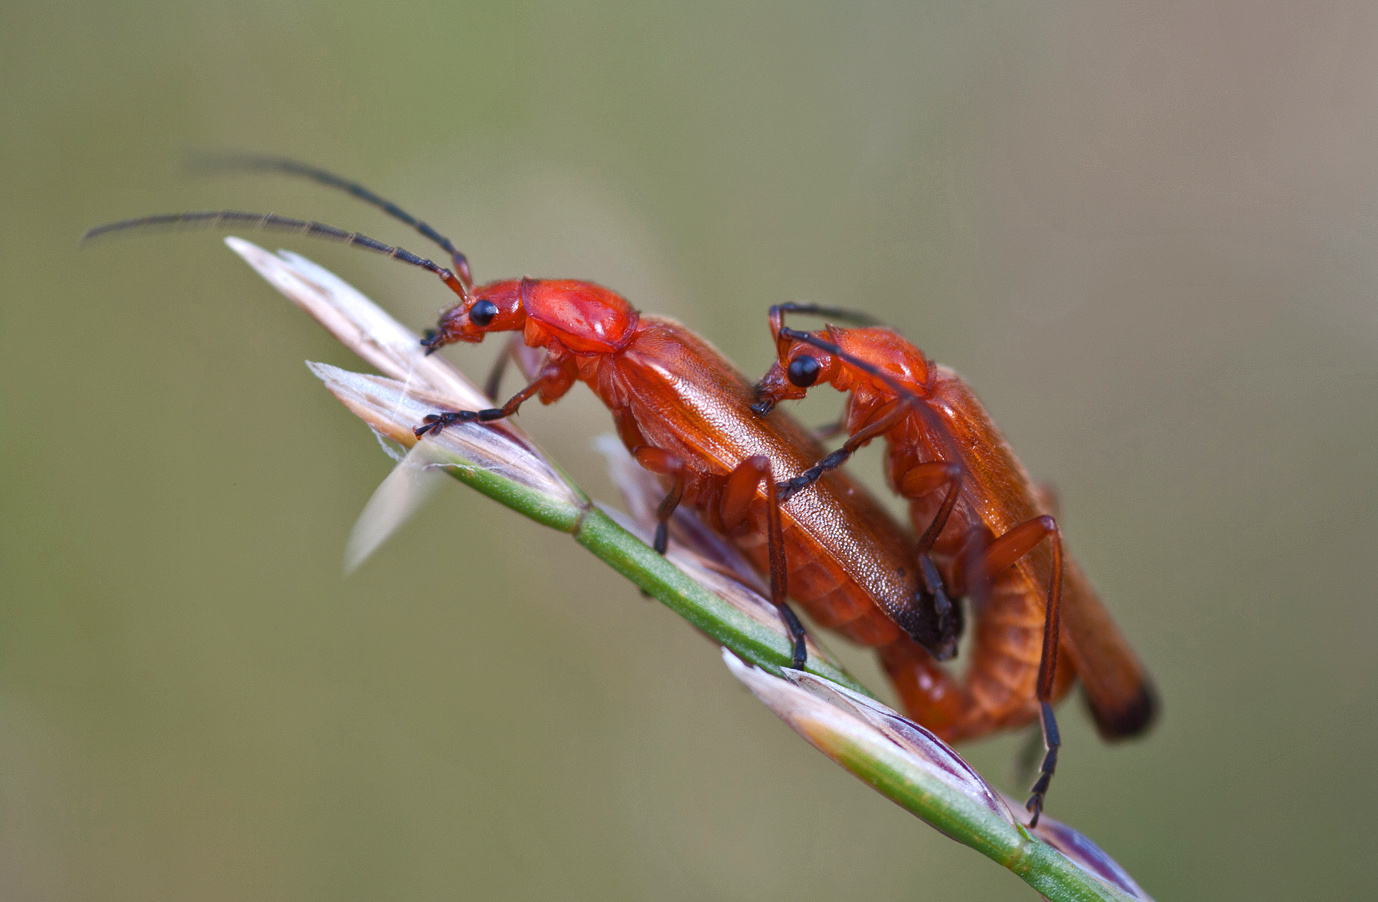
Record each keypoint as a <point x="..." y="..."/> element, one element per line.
<point x="846" y="554"/>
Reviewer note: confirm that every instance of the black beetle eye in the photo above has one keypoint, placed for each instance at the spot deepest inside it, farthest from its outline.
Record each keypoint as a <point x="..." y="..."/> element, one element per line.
<point x="803" y="371"/>
<point x="482" y="313"/>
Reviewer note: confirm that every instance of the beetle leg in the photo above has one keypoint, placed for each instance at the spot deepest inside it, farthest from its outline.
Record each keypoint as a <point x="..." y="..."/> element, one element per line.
<point x="1051" y="743"/>
<point x="734" y="508"/>
<point x="529" y="360"/>
<point x="739" y="490"/>
<point x="934" y="618"/>
<point x="887" y="416"/>
<point x="999" y="554"/>
<point x="554" y="380"/>
<point x="435" y="422"/>
<point x="1012" y="546"/>
<point x="494" y="380"/>
<point x="664" y="463"/>
<point x="924" y="478"/>
<point x="775" y="542"/>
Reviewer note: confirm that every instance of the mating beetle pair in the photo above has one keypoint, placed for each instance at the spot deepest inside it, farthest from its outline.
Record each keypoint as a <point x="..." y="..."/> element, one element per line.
<point x="764" y="482"/>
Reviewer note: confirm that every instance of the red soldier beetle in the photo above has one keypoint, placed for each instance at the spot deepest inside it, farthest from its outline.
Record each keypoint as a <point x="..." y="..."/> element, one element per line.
<point x="684" y="413"/>
<point x="983" y="532"/>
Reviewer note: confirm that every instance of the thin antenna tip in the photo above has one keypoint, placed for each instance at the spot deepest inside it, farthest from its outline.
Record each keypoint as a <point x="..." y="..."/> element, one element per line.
<point x="99" y="231"/>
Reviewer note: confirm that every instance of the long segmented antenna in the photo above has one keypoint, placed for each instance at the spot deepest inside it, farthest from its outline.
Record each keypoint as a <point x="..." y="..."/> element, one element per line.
<point x="257" y="163"/>
<point x="846" y="315"/>
<point x="223" y="219"/>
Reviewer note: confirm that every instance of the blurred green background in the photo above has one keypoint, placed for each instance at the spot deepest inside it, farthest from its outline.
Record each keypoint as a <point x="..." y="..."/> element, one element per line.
<point x="1149" y="238"/>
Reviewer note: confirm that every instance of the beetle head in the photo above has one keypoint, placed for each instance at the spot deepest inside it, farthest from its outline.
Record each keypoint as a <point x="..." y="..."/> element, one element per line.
<point x="495" y="307"/>
<point x="801" y="365"/>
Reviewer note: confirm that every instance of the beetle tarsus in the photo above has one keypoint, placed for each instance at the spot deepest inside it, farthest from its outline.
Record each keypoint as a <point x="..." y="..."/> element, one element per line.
<point x="1052" y="742"/>
<point x="790" y="487"/>
<point x="436" y="422"/>
<point x="799" y="652"/>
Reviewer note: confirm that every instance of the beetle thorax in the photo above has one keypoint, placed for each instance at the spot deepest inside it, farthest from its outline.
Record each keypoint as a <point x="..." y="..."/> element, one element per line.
<point x="581" y="317"/>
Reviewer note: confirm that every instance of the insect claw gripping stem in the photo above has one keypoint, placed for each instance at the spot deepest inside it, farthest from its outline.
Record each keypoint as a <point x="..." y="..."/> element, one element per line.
<point x="779" y="569"/>
<point x="1052" y="741"/>
<point x="799" y="652"/>
<point x="436" y="422"/>
<point x="432" y="423"/>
